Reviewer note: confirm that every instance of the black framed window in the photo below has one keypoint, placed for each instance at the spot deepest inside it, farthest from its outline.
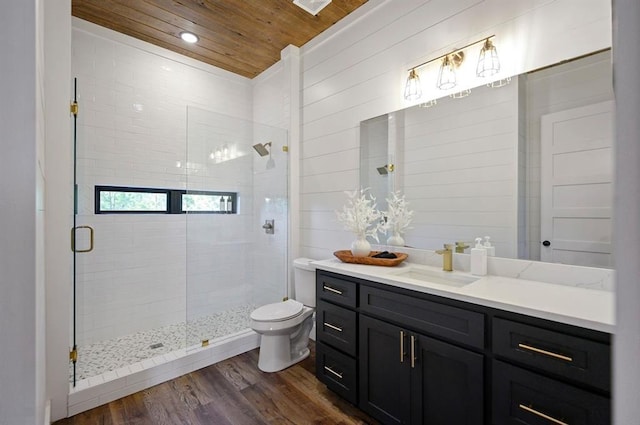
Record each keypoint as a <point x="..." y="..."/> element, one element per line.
<point x="144" y="200"/>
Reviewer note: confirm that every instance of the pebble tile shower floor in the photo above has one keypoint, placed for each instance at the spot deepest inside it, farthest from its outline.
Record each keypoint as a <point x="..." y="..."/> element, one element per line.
<point x="100" y="357"/>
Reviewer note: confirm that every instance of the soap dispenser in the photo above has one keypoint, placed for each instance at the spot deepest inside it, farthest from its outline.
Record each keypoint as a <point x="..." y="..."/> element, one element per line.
<point x="491" y="250"/>
<point x="478" y="259"/>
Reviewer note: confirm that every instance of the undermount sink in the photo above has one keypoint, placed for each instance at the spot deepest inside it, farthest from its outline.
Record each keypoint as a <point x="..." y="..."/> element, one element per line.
<point x="435" y="276"/>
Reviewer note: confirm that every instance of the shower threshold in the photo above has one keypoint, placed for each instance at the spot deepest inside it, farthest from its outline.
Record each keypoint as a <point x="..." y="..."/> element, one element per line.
<point x="145" y="347"/>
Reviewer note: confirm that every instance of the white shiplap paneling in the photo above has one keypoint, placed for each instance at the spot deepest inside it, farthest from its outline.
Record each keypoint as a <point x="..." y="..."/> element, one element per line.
<point x="357" y="72"/>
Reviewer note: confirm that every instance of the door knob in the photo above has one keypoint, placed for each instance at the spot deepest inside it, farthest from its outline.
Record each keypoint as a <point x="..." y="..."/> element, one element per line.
<point x="546" y="243"/>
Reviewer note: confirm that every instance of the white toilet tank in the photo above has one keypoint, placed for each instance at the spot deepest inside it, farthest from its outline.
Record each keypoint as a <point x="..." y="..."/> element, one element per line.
<point x="304" y="275"/>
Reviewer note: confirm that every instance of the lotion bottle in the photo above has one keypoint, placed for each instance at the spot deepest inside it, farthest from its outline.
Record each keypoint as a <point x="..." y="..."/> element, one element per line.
<point x="491" y="250"/>
<point x="223" y="204"/>
<point x="478" y="259"/>
<point x="229" y="205"/>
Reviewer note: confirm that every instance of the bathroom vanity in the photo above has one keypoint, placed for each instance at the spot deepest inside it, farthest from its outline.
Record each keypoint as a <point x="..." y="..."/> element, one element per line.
<point x="415" y="345"/>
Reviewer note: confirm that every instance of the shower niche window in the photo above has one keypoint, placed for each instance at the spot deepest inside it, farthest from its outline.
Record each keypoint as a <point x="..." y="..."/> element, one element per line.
<point x="209" y="202"/>
<point x="141" y="200"/>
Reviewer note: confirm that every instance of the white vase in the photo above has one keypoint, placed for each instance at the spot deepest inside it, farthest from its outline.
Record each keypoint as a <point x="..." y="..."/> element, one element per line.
<point x="395" y="240"/>
<point x="360" y="247"/>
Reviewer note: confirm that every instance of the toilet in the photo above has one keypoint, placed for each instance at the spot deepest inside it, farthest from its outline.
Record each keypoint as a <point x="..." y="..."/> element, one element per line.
<point x="285" y="326"/>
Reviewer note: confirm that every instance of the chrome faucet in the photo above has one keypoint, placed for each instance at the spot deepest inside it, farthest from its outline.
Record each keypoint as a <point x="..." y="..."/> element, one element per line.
<point x="447" y="257"/>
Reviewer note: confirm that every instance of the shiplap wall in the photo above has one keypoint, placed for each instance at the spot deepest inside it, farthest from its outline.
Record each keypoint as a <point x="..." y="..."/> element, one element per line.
<point x="356" y="71"/>
<point x="461" y="168"/>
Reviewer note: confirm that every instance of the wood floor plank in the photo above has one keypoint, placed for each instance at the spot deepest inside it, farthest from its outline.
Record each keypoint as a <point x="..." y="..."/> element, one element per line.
<point x="232" y="392"/>
<point x="241" y="371"/>
<point x="172" y="403"/>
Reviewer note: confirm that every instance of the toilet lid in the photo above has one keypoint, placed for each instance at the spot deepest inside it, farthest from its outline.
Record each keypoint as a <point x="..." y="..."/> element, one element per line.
<point x="277" y="312"/>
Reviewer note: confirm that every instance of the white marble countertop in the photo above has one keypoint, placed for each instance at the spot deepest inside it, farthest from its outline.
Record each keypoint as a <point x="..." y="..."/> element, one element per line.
<point x="573" y="305"/>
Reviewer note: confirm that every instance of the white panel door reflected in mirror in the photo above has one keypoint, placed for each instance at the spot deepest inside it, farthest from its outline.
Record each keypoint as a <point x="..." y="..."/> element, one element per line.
<point x="471" y="167"/>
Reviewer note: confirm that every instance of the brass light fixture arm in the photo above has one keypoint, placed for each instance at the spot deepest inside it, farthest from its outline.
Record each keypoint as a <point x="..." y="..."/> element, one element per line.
<point x="454" y="51"/>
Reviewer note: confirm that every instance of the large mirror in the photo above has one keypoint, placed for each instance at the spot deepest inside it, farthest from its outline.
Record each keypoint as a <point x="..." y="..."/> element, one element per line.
<point x="529" y="164"/>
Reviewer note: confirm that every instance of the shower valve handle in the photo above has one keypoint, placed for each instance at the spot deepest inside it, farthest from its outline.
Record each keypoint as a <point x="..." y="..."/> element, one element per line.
<point x="268" y="227"/>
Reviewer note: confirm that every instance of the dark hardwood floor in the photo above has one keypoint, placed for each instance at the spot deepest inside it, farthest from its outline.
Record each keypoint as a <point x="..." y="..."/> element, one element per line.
<point x="231" y="392"/>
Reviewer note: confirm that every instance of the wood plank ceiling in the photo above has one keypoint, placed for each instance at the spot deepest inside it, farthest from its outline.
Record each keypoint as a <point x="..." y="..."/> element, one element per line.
<point x="241" y="36"/>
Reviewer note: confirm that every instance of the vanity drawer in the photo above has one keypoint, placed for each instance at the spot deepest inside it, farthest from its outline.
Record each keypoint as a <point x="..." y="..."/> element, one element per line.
<point x="579" y="359"/>
<point x="452" y="323"/>
<point x="523" y="397"/>
<point x="337" y="371"/>
<point x="336" y="326"/>
<point x="337" y="290"/>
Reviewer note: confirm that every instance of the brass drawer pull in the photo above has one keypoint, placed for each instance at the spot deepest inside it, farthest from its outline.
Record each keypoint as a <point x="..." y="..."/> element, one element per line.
<point x="402" y="353"/>
<point x="334" y="327"/>
<point x="328" y="369"/>
<point x="542" y="415"/>
<point x="545" y="352"/>
<point x="330" y="289"/>
<point x="413" y="351"/>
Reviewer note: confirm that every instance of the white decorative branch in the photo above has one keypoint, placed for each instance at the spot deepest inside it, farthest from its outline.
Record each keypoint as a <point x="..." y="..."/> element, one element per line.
<point x="361" y="216"/>
<point x="398" y="214"/>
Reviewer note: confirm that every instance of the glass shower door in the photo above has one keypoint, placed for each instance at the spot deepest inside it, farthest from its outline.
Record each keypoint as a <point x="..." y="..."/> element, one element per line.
<point x="233" y="263"/>
<point x="130" y="261"/>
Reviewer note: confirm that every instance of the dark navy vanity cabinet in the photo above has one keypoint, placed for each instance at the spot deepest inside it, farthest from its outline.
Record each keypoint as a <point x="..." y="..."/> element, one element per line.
<point x="407" y="357"/>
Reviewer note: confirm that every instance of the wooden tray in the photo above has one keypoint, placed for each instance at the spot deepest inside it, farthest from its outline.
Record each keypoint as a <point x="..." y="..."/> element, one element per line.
<point x="346" y="257"/>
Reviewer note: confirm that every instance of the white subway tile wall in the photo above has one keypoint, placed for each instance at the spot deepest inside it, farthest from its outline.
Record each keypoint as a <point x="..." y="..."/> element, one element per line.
<point x="149" y="118"/>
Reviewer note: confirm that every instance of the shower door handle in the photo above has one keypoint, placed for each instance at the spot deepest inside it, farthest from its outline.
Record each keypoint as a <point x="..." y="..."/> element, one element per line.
<point x="73" y="239"/>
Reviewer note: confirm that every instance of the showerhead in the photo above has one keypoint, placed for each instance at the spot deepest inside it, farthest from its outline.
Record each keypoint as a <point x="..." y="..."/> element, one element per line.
<point x="385" y="169"/>
<point x="262" y="148"/>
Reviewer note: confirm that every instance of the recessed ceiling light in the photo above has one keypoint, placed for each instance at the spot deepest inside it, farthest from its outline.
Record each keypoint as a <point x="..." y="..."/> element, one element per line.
<point x="189" y="37"/>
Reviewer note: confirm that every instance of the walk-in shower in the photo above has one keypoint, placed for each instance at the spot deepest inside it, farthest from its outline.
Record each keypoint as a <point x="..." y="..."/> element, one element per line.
<point x="179" y="258"/>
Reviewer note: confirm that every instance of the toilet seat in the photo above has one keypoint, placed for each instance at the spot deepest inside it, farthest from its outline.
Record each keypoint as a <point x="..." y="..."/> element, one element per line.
<point x="277" y="312"/>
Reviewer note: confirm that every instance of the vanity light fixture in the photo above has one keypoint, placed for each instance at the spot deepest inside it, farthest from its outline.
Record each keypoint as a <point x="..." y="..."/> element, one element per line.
<point x="460" y="94"/>
<point x="499" y="83"/>
<point x="428" y="103"/>
<point x="189" y="37"/>
<point x="447" y="74"/>
<point x="488" y="62"/>
<point x="488" y="65"/>
<point x="413" y="88"/>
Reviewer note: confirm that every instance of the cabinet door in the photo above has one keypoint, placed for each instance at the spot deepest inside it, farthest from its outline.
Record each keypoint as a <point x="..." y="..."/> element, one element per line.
<point x="447" y="383"/>
<point x="384" y="371"/>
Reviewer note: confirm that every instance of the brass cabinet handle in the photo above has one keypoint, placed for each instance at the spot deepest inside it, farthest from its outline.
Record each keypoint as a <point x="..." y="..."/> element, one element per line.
<point x="402" y="353"/>
<point x="542" y="415"/>
<point x="413" y="351"/>
<point x="73" y="239"/>
<point x="328" y="369"/>
<point x="334" y="327"/>
<point x="545" y="352"/>
<point x="330" y="289"/>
